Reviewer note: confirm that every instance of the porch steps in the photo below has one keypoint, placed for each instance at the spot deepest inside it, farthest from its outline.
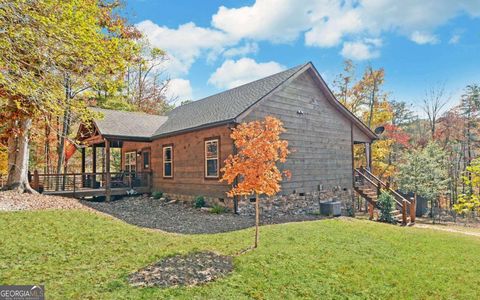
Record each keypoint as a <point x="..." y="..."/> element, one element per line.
<point x="369" y="187"/>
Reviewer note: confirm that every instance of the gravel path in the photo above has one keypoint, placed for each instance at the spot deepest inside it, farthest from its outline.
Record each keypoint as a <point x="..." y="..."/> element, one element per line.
<point x="180" y="218"/>
<point x="14" y="201"/>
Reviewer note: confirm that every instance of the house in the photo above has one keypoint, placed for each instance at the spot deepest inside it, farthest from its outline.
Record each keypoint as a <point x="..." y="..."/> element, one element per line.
<point x="181" y="154"/>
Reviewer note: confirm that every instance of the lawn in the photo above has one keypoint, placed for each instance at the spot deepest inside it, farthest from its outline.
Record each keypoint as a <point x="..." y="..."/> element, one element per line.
<point x="78" y="254"/>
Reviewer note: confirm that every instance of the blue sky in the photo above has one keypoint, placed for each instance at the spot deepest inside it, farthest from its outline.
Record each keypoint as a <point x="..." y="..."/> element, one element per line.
<point x="215" y="45"/>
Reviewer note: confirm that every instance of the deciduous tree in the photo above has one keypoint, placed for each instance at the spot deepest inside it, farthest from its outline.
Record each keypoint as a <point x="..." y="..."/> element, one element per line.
<point x="253" y="169"/>
<point x="41" y="44"/>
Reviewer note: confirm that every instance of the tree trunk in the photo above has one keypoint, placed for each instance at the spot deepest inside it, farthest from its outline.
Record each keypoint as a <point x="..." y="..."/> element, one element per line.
<point x="65" y="127"/>
<point x="257" y="220"/>
<point x="18" y="157"/>
<point x="47" y="167"/>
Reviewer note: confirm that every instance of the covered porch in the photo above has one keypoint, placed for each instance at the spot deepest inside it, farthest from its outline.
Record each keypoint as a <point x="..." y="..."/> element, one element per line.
<point x="107" y="175"/>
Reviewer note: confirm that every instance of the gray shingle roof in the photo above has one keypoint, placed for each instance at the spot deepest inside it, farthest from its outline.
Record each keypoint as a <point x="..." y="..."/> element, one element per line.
<point x="128" y="124"/>
<point x="220" y="108"/>
<point x="224" y="106"/>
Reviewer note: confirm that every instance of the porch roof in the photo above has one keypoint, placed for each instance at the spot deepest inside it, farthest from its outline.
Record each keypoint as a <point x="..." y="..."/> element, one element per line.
<point x="132" y="125"/>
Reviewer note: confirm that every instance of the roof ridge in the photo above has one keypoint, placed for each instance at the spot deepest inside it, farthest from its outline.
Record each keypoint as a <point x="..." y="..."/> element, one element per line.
<point x="300" y="66"/>
<point x="126" y="111"/>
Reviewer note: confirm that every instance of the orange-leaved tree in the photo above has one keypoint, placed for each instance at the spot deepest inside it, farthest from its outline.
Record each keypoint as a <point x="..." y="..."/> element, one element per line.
<point x="253" y="169"/>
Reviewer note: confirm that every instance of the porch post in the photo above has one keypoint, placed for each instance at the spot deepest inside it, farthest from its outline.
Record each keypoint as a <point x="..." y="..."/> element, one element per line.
<point x="368" y="155"/>
<point x="83" y="167"/>
<point x="93" y="178"/>
<point x="107" y="167"/>
<point x="353" y="168"/>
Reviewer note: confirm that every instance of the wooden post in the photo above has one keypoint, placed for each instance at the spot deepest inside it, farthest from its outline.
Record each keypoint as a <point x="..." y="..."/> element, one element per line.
<point x="404" y="212"/>
<point x="107" y="167"/>
<point x="36" y="181"/>
<point x="370" y="211"/>
<point x="94" y="166"/>
<point x="368" y="156"/>
<point x="413" y="209"/>
<point x="74" y="184"/>
<point x="83" y="168"/>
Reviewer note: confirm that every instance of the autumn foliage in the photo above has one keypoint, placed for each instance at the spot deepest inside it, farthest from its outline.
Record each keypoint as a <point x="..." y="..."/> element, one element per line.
<point x="259" y="148"/>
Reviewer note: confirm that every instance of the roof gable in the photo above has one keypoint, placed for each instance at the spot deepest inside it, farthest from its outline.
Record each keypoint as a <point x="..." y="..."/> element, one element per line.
<point x="310" y="68"/>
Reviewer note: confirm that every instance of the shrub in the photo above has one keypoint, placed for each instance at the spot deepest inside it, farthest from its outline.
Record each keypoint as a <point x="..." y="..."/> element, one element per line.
<point x="385" y="204"/>
<point x="217" y="209"/>
<point x="157" y="195"/>
<point x="199" y="202"/>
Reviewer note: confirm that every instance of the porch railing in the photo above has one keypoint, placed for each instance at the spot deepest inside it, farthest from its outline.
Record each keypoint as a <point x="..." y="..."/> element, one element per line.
<point x="73" y="182"/>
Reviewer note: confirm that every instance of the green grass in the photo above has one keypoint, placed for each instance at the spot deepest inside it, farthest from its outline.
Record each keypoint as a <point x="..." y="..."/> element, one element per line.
<point x="83" y="255"/>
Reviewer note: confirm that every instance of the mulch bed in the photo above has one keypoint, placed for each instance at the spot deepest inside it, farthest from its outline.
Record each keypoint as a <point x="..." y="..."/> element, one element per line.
<point x="183" y="270"/>
<point x="181" y="218"/>
<point x="14" y="201"/>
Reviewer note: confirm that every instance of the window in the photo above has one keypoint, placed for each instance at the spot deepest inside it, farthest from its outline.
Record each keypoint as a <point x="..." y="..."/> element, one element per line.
<point x="131" y="161"/>
<point x="211" y="159"/>
<point x="146" y="160"/>
<point x="167" y="161"/>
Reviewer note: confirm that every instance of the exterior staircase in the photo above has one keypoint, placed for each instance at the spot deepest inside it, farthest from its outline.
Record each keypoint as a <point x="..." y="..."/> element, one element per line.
<point x="369" y="187"/>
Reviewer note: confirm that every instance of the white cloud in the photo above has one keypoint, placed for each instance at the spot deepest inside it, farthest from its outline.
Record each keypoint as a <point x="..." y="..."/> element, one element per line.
<point x="273" y="20"/>
<point x="234" y="73"/>
<point x="326" y="23"/>
<point x="185" y="44"/>
<point x="331" y="28"/>
<point x="248" y="48"/>
<point x="179" y="89"/>
<point x="454" y="39"/>
<point x="361" y="50"/>
<point x="423" y="38"/>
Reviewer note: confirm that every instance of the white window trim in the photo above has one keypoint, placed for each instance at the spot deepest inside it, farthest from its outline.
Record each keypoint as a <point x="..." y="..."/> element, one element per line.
<point x="171" y="161"/>
<point x="131" y="154"/>
<point x="207" y="159"/>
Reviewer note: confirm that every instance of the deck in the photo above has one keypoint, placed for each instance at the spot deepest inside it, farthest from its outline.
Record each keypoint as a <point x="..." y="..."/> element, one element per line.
<point x="82" y="185"/>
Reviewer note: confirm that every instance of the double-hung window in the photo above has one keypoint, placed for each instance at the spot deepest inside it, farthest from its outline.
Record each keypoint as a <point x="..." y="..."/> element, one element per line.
<point x="168" y="161"/>
<point x="131" y="161"/>
<point x="211" y="158"/>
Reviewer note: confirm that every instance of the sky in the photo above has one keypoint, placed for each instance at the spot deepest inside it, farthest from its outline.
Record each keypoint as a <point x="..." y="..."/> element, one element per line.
<point x="216" y="45"/>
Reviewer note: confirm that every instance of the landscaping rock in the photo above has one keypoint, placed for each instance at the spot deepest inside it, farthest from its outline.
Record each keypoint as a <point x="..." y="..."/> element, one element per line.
<point x="183" y="270"/>
<point x="183" y="218"/>
<point x="205" y="209"/>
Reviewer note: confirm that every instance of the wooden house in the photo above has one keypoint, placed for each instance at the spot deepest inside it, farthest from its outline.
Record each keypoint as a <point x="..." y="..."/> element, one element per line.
<point x="181" y="154"/>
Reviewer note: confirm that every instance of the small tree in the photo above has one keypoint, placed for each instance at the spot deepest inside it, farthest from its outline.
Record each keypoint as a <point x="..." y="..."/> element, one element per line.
<point x="425" y="173"/>
<point x="253" y="170"/>
<point x="385" y="204"/>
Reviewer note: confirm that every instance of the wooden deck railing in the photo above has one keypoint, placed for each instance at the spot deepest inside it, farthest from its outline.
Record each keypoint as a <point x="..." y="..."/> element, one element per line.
<point x="400" y="202"/>
<point x="73" y="182"/>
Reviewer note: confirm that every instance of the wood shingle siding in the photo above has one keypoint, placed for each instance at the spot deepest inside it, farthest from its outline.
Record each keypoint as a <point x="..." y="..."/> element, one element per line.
<point x="320" y="138"/>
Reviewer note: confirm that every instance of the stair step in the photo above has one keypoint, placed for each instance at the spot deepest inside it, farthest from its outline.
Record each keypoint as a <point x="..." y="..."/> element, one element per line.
<point x="395" y="212"/>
